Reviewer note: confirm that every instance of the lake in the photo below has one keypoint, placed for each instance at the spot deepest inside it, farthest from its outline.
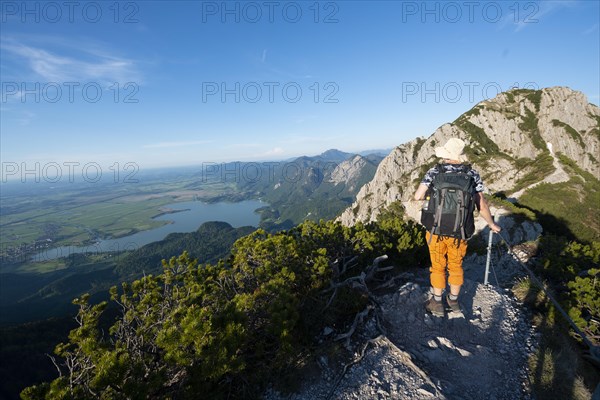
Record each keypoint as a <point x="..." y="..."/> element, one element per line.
<point x="196" y="213"/>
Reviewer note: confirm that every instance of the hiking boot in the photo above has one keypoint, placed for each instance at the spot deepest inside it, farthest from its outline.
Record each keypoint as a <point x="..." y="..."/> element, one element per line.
<point x="435" y="307"/>
<point x="453" y="305"/>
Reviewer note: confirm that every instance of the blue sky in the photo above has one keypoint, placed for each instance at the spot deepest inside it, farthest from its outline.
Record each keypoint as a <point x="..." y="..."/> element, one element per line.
<point x="184" y="82"/>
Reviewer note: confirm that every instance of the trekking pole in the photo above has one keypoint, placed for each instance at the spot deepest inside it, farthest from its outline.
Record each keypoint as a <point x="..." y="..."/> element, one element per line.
<point x="594" y="350"/>
<point x="489" y="255"/>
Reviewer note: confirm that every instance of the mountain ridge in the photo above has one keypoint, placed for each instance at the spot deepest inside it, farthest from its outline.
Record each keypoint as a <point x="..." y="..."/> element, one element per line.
<point x="309" y="187"/>
<point x="507" y="143"/>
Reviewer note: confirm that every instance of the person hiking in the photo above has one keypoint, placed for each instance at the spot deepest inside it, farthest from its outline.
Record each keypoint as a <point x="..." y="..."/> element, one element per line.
<point x="447" y="232"/>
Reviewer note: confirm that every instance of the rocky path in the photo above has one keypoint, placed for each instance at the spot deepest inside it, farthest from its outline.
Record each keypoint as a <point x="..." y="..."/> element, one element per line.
<point x="559" y="175"/>
<point x="481" y="355"/>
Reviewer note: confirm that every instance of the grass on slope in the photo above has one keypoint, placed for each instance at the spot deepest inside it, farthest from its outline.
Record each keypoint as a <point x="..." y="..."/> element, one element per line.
<point x="556" y="369"/>
<point x="568" y="208"/>
<point x="541" y="167"/>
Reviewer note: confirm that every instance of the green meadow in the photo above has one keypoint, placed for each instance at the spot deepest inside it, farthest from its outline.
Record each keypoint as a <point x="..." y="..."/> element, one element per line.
<point x="76" y="214"/>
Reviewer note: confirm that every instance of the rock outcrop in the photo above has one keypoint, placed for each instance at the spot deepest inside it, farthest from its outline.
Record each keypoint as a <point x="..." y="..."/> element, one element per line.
<point x="349" y="172"/>
<point x="504" y="136"/>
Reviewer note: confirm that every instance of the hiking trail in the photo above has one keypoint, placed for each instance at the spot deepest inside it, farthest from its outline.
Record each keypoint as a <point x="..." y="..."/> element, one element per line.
<point x="417" y="356"/>
<point x="559" y="175"/>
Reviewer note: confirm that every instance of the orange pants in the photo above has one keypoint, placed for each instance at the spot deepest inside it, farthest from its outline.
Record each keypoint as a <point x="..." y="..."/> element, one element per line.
<point x="446" y="252"/>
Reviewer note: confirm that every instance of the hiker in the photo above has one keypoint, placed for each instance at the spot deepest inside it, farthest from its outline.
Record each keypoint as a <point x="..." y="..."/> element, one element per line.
<point x="448" y="232"/>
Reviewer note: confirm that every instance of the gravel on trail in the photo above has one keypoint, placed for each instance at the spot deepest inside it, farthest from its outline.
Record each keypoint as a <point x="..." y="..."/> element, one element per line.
<point x="479" y="354"/>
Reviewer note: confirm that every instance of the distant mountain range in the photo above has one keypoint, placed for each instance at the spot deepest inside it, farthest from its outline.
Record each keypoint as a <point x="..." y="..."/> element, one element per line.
<point x="309" y="187"/>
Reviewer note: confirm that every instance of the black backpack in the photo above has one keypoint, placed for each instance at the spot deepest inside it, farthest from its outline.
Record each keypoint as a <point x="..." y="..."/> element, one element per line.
<point x="449" y="210"/>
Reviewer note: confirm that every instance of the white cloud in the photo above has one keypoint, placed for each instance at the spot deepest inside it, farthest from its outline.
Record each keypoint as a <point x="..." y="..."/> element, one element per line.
<point x="274" y="152"/>
<point x="270" y="154"/>
<point x="66" y="62"/>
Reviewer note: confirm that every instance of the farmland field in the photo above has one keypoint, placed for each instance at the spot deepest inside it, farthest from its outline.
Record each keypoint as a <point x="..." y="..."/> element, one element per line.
<point x="70" y="214"/>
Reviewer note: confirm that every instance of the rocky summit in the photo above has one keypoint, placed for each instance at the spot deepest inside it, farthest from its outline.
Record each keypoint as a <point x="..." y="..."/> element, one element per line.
<point x="508" y="138"/>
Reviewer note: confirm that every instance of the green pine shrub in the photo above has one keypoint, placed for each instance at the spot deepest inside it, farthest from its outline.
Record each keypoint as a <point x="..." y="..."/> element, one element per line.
<point x="223" y="330"/>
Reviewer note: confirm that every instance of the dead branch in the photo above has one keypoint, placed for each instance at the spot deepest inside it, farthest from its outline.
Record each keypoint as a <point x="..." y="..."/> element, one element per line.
<point x="331" y="299"/>
<point x="359" y="281"/>
<point x="357" y="319"/>
<point x="53" y="359"/>
<point x="346" y="264"/>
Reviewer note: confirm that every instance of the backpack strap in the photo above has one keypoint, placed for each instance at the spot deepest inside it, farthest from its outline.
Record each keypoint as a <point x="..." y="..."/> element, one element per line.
<point x="438" y="215"/>
<point x="458" y="219"/>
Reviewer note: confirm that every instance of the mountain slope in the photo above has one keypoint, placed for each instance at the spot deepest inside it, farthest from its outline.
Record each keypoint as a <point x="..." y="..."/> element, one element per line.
<point x="309" y="188"/>
<point x="507" y="140"/>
